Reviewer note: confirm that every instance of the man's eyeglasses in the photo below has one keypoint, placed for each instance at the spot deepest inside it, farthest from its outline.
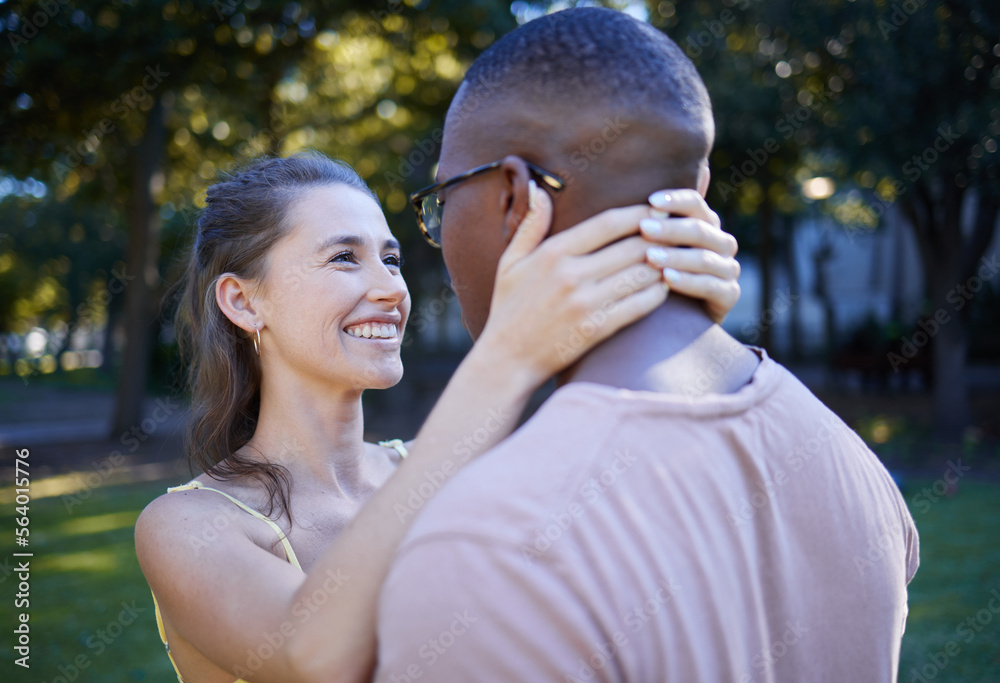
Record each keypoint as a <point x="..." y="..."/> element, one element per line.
<point x="429" y="206"/>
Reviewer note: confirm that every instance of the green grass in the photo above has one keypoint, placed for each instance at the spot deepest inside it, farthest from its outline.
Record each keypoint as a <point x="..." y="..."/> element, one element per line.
<point x="85" y="568"/>
<point x="959" y="567"/>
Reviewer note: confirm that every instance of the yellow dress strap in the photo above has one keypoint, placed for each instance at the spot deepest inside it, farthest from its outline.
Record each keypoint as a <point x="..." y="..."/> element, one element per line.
<point x="163" y="637"/>
<point x="289" y="553"/>
<point x="397" y="445"/>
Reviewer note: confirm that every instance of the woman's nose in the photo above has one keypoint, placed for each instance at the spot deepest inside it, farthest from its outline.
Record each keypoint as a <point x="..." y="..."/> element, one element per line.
<point x="388" y="286"/>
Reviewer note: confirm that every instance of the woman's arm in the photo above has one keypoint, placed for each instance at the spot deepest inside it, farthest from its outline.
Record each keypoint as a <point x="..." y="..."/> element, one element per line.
<point x="545" y="291"/>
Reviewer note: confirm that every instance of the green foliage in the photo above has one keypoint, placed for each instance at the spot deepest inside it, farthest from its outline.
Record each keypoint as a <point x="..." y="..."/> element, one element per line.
<point x="850" y="89"/>
<point x="858" y="91"/>
<point x="55" y="261"/>
<point x="238" y="78"/>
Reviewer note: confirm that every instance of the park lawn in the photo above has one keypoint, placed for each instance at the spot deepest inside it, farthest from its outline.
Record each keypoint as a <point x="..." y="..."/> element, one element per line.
<point x="85" y="579"/>
<point x="84" y="575"/>
<point x="958" y="577"/>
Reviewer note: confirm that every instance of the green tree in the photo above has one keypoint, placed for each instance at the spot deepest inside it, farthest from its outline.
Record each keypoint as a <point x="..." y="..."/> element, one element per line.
<point x="137" y="106"/>
<point x="916" y="118"/>
<point x="92" y="86"/>
<point x="900" y="101"/>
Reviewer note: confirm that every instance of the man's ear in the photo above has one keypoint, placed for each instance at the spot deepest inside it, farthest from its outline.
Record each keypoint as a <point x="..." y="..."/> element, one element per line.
<point x="515" y="194"/>
<point x="704" y="177"/>
<point x="233" y="295"/>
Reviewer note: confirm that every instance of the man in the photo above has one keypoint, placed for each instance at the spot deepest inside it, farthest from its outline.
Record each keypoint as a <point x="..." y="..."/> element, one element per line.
<point x="681" y="508"/>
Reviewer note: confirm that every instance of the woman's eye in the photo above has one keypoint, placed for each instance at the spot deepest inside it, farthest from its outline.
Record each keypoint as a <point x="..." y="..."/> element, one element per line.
<point x="345" y="257"/>
<point x="393" y="260"/>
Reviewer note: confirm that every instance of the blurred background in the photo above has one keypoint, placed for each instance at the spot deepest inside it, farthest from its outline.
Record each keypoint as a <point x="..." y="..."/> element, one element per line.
<point x="856" y="162"/>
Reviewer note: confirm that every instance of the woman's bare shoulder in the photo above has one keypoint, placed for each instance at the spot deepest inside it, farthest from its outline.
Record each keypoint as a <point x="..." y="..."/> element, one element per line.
<point x="185" y="523"/>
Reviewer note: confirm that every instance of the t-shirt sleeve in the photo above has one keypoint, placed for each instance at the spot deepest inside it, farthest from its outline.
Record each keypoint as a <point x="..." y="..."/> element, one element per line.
<point x="459" y="609"/>
<point x="912" y="550"/>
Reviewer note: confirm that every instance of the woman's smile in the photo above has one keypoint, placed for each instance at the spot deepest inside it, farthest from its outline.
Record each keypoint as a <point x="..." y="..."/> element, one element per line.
<point x="374" y="330"/>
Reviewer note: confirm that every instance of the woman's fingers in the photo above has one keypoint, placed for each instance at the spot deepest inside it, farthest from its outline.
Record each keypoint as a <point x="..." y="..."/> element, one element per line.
<point x="633" y="307"/>
<point x="691" y="223"/>
<point x="532" y="229"/>
<point x="626" y="282"/>
<point x="637" y="305"/>
<point x="688" y="232"/>
<point x="706" y="269"/>
<point x="606" y="307"/>
<point x="697" y="273"/>
<point x="611" y="259"/>
<point x="633" y="250"/>
<point x="598" y="231"/>
<point x="684" y="202"/>
<point x="720" y="295"/>
<point x="693" y="261"/>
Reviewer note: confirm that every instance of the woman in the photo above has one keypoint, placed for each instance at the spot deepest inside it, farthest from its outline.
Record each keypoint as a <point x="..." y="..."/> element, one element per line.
<point x="293" y="305"/>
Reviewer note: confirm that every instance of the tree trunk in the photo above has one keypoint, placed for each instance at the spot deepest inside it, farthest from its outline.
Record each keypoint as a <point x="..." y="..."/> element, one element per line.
<point x="951" y="399"/>
<point x="141" y="265"/>
<point x="950" y="259"/>
<point x="821" y="256"/>
<point x="898" y="277"/>
<point x="792" y="267"/>
<point x="108" y="346"/>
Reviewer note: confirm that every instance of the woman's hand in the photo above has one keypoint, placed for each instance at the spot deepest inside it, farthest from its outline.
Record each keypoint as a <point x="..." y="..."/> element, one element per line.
<point x="555" y="299"/>
<point x="700" y="259"/>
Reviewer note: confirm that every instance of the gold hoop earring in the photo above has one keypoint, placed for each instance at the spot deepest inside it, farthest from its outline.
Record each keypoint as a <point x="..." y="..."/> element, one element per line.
<point x="256" y="341"/>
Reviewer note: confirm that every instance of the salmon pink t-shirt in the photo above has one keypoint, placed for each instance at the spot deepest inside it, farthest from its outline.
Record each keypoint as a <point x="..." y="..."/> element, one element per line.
<point x="637" y="536"/>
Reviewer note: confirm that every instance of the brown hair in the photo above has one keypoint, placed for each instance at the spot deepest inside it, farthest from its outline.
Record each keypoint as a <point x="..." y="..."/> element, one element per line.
<point x="245" y="215"/>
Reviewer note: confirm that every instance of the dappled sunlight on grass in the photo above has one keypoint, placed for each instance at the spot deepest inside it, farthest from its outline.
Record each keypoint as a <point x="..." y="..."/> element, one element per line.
<point x="97" y="523"/>
<point x="84" y="574"/>
<point x="57" y="485"/>
<point x="86" y="561"/>
<point x="76" y="488"/>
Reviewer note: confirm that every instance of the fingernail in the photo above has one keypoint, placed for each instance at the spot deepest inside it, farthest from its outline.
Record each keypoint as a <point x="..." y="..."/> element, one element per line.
<point x="671" y="275"/>
<point x="651" y="227"/>
<point x="661" y="200"/>
<point x="657" y="256"/>
<point x="532" y="194"/>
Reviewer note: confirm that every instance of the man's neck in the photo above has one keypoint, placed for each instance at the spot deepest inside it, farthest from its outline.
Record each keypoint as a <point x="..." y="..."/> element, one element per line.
<point x="676" y="349"/>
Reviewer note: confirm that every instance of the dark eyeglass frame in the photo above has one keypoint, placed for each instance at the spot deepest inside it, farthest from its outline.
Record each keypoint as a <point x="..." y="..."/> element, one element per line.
<point x="552" y="181"/>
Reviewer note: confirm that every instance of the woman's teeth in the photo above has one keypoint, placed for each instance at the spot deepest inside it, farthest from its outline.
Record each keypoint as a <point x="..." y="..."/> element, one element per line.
<point x="372" y="331"/>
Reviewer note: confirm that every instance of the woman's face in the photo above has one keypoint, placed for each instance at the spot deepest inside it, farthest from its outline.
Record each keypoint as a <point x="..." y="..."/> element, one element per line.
<point x="333" y="300"/>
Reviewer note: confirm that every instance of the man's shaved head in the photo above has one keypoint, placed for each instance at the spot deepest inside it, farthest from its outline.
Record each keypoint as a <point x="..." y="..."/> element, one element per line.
<point x="577" y="79"/>
<point x="606" y="102"/>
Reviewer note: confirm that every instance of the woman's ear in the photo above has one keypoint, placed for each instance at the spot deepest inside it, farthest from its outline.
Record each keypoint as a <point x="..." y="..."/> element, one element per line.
<point x="515" y="195"/>
<point x="233" y="295"/>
